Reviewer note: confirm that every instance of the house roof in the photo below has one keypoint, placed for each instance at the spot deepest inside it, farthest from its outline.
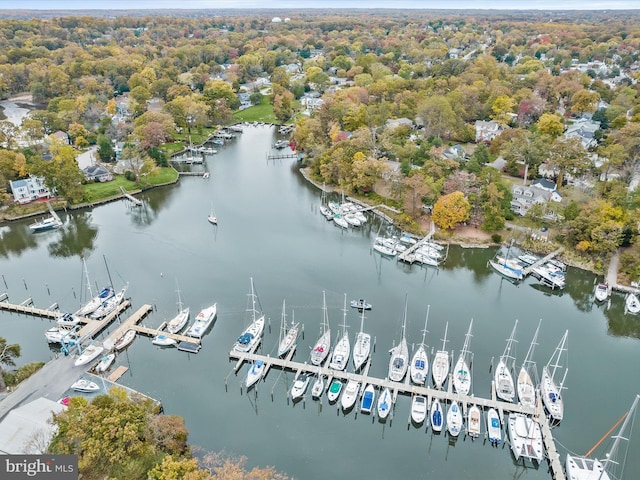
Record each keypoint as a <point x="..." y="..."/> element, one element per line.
<point x="544" y="184"/>
<point x="95" y="170"/>
<point x="26" y="429"/>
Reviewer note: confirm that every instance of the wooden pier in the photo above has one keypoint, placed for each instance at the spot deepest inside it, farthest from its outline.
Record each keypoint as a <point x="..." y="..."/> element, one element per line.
<point x="93" y="327"/>
<point x="129" y="323"/>
<point x="406" y="387"/>
<point x="27" y="308"/>
<point x="152" y="332"/>
<point x="526" y="271"/>
<point x="130" y="197"/>
<point x="407" y="256"/>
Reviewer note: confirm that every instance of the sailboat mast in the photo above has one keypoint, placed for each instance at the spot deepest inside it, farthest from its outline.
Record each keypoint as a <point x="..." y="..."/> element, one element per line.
<point x="507" y="350"/>
<point x="108" y="273"/>
<point x="444" y="340"/>
<point x="534" y="341"/>
<point x="344" y="316"/>
<point x="362" y="318"/>
<point x="619" y="436"/>
<point x="325" y="317"/>
<point x="467" y="337"/>
<point x="424" y="332"/>
<point x="404" y="320"/>
<point x="557" y="354"/>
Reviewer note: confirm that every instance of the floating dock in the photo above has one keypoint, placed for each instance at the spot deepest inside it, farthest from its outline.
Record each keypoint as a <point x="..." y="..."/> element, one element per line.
<point x="407" y="256"/>
<point x="527" y="270"/>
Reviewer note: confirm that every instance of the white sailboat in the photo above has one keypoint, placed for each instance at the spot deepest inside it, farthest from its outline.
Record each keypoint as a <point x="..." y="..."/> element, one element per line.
<point x="342" y="350"/>
<point x="525" y="387"/>
<point x="461" y="371"/>
<point x="110" y="304"/>
<point x="419" y="362"/>
<point x="525" y="437"/>
<point x="94" y="301"/>
<point x="503" y="378"/>
<point x="322" y="346"/>
<point x="473" y="421"/>
<point x="362" y="345"/>
<point x="288" y="336"/>
<point x="384" y="403"/>
<point x="550" y="390"/>
<point x="398" y="363"/>
<point x="251" y="335"/>
<point x="584" y="468"/>
<point x="437" y="419"/>
<point x="212" y="216"/>
<point x="506" y="266"/>
<point x="178" y="322"/>
<point x="318" y="386"/>
<point x="454" y="419"/>
<point x="256" y="369"/>
<point x="440" y="366"/>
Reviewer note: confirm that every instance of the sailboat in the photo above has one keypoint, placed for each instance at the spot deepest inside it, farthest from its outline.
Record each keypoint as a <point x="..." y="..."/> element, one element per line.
<point x="212" y="216"/>
<point x="318" y="385"/>
<point x="440" y="366"/>
<point x="362" y="346"/>
<point x="322" y="346"/>
<point x="289" y="335"/>
<point x="436" y="415"/>
<point x="473" y="421"/>
<point x="454" y="419"/>
<point x="503" y="378"/>
<point x="324" y="209"/>
<point x="583" y="468"/>
<point x="256" y="369"/>
<point x="384" y="403"/>
<point x="178" y="322"/>
<point x="97" y="300"/>
<point x="549" y="388"/>
<point x="525" y="437"/>
<point x="251" y="335"/>
<point x="110" y="304"/>
<point x="461" y="372"/>
<point x="419" y="362"/>
<point x="506" y="266"/>
<point x="525" y="387"/>
<point x="342" y="349"/>
<point x="399" y="354"/>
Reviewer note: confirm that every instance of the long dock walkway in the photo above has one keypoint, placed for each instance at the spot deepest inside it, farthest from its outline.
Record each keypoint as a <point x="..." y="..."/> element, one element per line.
<point x="407" y="255"/>
<point x="526" y="271"/>
<point x="130" y="197"/>
<point x="129" y="323"/>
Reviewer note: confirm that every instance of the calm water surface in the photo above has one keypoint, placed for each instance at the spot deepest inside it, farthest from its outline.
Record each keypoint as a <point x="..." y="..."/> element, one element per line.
<point x="270" y="229"/>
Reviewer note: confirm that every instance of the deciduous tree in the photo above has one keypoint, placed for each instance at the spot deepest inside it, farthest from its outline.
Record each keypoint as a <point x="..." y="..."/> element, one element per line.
<point x="451" y="209"/>
<point x="8" y="355"/>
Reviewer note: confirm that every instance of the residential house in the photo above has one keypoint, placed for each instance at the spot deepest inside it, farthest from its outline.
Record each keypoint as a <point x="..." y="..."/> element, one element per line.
<point x="394" y="123"/>
<point x="62" y="136"/>
<point x="584" y="130"/>
<point x="97" y="173"/>
<point x="487" y="131"/>
<point x="29" y="189"/>
<point x="524" y="197"/>
<point x="455" y="152"/>
<point x="311" y="102"/>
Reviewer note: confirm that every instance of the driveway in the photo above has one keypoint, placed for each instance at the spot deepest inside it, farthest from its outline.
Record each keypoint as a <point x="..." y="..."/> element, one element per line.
<point x="87" y="158"/>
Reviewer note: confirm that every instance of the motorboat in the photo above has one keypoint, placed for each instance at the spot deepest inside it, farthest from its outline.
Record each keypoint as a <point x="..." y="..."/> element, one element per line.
<point x="440" y="365"/>
<point x="524" y="384"/>
<point x="322" y="346"/>
<point x="47" y="223"/>
<point x="528" y="258"/>
<point x="398" y="363"/>
<point x="125" y="340"/>
<point x="342" y="350"/>
<point x="454" y="419"/>
<point x="368" y="397"/>
<point x="203" y="321"/>
<point x="256" y="369"/>
<point x="505" y="388"/>
<point x="494" y="426"/>
<point x="550" y="276"/>
<point x="418" y="409"/>
<point x="178" y="322"/>
<point x="110" y="304"/>
<point x="350" y="394"/>
<point x="300" y="386"/>
<point x="89" y="354"/>
<point x="384" y="403"/>
<point x="436" y="416"/>
<point x="164" y="341"/>
<point x="419" y="367"/>
<point x="252" y="335"/>
<point x="85" y="386"/>
<point x="473" y="421"/>
<point x="334" y="390"/>
<point x="106" y="361"/>
<point x="361" y="304"/>
<point x="525" y="437"/>
<point x="601" y="292"/>
<point x="362" y="346"/>
<point x="632" y="304"/>
<point x="67" y="320"/>
<point x="288" y="335"/>
<point x="461" y="371"/>
<point x="318" y="386"/>
<point x="550" y="389"/>
<point x="59" y="334"/>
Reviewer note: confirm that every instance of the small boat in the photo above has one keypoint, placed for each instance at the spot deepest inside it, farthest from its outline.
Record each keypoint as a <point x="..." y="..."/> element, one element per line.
<point x="360" y="304"/>
<point x="473" y="421"/>
<point x="528" y="258"/>
<point x="48" y="223"/>
<point x="125" y="339"/>
<point x="110" y="304"/>
<point x="601" y="292"/>
<point x="350" y="394"/>
<point x="256" y="369"/>
<point x="212" y="217"/>
<point x="507" y="268"/>
<point x="525" y="437"/>
<point x="164" y="341"/>
<point x="96" y="301"/>
<point x="494" y="426"/>
<point x="67" y="320"/>
<point x="384" y="403"/>
<point x="368" y="396"/>
<point x="524" y="384"/>
<point x="342" y="350"/>
<point x="352" y="220"/>
<point x="550" y="390"/>
<point x="461" y="372"/>
<point x="436" y="415"/>
<point x="334" y="390"/>
<point x="84" y="385"/>
<point x="299" y="386"/>
<point x="398" y="363"/>
<point x="362" y="346"/>
<point x="252" y="335"/>
<point x="328" y="214"/>
<point x="288" y="336"/>
<point x="503" y="378"/>
<point x="105" y="363"/>
<point x="550" y="276"/>
<point x="318" y="386"/>
<point x="60" y="334"/>
<point x="440" y="366"/>
<point x="454" y="419"/>
<point x="632" y="303"/>
<point x="89" y="353"/>
<point x="418" y="409"/>
<point x="340" y="221"/>
<point x="206" y="175"/>
<point x="582" y="468"/>
<point x="384" y="250"/>
<point x="178" y="322"/>
<point x="323" y="344"/>
<point x="202" y="321"/>
<point x="419" y="362"/>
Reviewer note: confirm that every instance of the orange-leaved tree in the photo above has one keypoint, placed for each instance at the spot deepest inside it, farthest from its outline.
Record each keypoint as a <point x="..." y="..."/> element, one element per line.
<point x="451" y="209"/>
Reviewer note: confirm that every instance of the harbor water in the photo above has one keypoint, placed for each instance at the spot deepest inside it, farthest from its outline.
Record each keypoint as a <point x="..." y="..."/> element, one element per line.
<point x="270" y="229"/>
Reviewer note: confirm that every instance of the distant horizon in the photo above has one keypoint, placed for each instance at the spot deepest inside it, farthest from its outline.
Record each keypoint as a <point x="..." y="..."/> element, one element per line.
<point x="502" y="5"/>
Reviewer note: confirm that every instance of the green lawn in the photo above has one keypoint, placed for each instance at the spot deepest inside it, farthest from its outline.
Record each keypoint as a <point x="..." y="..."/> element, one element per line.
<point x="98" y="191"/>
<point x="257" y="113"/>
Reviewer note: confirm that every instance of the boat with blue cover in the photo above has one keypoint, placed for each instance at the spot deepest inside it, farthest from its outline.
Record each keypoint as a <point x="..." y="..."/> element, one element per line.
<point x="368" y="397"/>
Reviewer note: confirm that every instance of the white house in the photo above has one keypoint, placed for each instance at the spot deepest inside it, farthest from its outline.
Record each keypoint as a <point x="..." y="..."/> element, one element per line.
<point x="29" y="189"/>
<point x="97" y="173"/>
<point x="583" y="129"/>
<point x="524" y="197"/>
<point x="487" y="131"/>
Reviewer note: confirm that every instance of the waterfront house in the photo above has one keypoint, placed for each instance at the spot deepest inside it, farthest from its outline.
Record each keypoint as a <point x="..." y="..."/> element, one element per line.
<point x="541" y="191"/>
<point x="29" y="189"/>
<point x="97" y="173"/>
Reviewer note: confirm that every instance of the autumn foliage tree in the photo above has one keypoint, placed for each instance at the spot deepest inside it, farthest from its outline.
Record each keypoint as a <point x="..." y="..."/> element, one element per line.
<point x="451" y="209"/>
